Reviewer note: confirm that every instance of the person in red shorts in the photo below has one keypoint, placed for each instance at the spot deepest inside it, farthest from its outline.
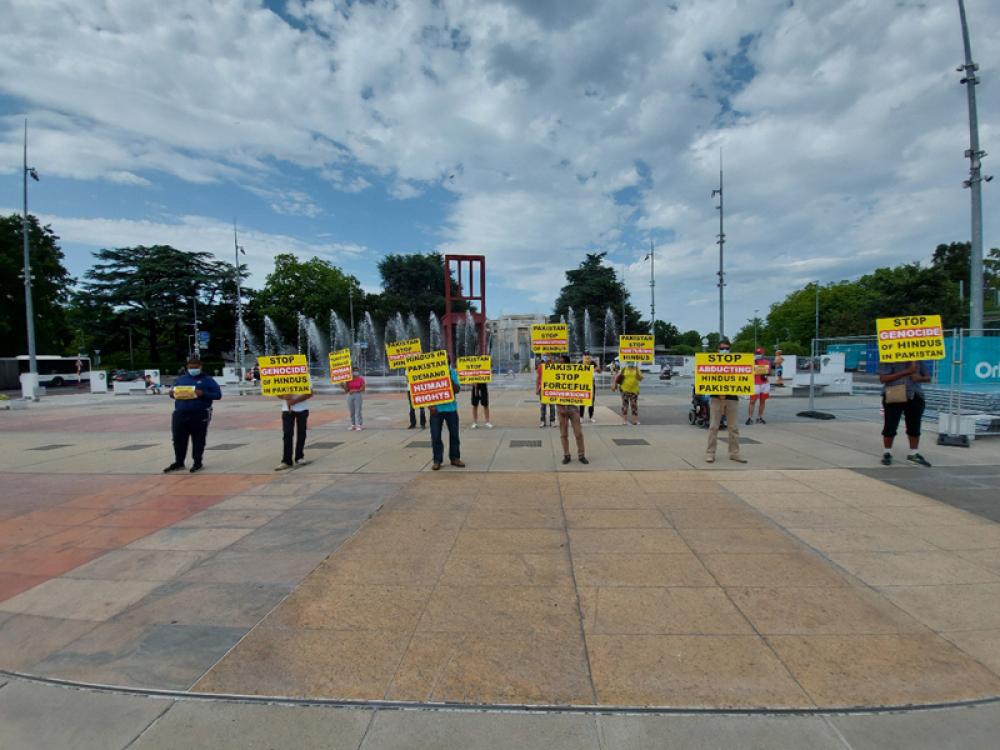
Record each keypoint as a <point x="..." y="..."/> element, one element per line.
<point x="761" y="386"/>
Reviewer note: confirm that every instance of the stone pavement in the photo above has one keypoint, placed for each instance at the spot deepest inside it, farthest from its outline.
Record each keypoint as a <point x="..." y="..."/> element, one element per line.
<point x="645" y="579"/>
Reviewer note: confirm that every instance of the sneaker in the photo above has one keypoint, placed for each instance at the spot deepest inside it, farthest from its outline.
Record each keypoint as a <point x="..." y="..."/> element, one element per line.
<point x="197" y="467"/>
<point x="458" y="462"/>
<point x="593" y="421"/>
<point x="709" y="459"/>
<point x="749" y="421"/>
<point x="475" y="426"/>
<point x="412" y="427"/>
<point x="916" y="458"/>
<point x="423" y="427"/>
<point x="541" y="425"/>
<point x="489" y="426"/>
<point x="624" y="422"/>
<point x="302" y="462"/>
<point x="760" y="420"/>
<point x="282" y="467"/>
<point x="173" y="467"/>
<point x="359" y="428"/>
<point x="887" y="459"/>
<point x="635" y="423"/>
<point x="583" y="460"/>
<point x="566" y="459"/>
<point x="352" y="428"/>
<point x="738" y="459"/>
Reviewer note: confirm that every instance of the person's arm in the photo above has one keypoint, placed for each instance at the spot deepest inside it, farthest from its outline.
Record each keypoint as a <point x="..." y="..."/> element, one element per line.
<point x="364" y="385"/>
<point x="922" y="374"/>
<point x="889" y="377"/>
<point x="211" y="391"/>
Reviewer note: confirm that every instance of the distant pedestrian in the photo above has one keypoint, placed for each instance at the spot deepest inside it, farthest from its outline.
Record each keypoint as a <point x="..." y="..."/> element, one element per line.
<point x="294" y="419"/>
<point x="903" y="396"/>
<point x="355" y="389"/>
<point x="481" y="397"/>
<point x="593" y="373"/>
<point x="441" y="414"/>
<point x="779" y="368"/>
<point x="538" y="391"/>
<point x="152" y="387"/>
<point x="761" y="386"/>
<point x="724" y="407"/>
<point x="193" y="394"/>
<point x="627" y="381"/>
<point x="570" y="415"/>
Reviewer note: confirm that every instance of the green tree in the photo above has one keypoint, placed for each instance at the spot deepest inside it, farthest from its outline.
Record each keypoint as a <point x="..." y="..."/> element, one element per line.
<point x="313" y="287"/>
<point x="667" y="334"/>
<point x="413" y="282"/>
<point x="50" y="289"/>
<point x="594" y="286"/>
<point x="691" y="339"/>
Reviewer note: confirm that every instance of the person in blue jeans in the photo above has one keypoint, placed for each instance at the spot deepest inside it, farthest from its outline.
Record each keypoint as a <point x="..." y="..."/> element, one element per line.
<point x="193" y="394"/>
<point x="446" y="413"/>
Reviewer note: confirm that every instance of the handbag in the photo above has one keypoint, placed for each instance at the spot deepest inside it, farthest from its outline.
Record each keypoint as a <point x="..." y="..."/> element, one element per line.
<point x="896" y="394"/>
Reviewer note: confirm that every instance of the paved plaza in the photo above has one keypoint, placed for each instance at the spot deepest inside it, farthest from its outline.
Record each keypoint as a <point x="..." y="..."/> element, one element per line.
<point x="809" y="587"/>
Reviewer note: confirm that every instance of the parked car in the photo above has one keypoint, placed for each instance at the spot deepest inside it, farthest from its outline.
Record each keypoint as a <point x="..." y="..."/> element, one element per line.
<point x="125" y="376"/>
<point x="666" y="372"/>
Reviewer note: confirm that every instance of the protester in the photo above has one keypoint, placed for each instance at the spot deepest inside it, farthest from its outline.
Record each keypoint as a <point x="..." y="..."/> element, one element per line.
<point x="294" y="417"/>
<point x="627" y="381"/>
<point x="413" y="414"/>
<point x="571" y="415"/>
<point x="355" y="388"/>
<point x="761" y="387"/>
<point x="593" y="372"/>
<point x="193" y="394"/>
<point x="904" y="378"/>
<point x="779" y="368"/>
<point x="538" y="390"/>
<point x="728" y="407"/>
<point x="481" y="397"/>
<point x="446" y="413"/>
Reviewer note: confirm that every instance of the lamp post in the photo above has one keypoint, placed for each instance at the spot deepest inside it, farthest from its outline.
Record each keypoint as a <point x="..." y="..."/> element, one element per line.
<point x="240" y="345"/>
<point x="29" y="311"/>
<point x="756" y="310"/>
<point x="721" y="242"/>
<point x="652" y="294"/>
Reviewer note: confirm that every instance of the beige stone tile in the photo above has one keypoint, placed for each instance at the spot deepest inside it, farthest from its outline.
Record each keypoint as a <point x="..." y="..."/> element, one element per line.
<point x="690" y="671"/>
<point x="805" y="500"/>
<point x="794" y="569"/>
<point x="874" y="538"/>
<point x="424" y="521"/>
<point x="501" y="609"/>
<point x="545" y="503"/>
<point x="602" y="518"/>
<point x="317" y="605"/>
<point x="754" y="540"/>
<point x="985" y="558"/>
<point x="704" y="501"/>
<point x="845" y="517"/>
<point x="981" y="645"/>
<point x="514" y="518"/>
<point x="963" y="537"/>
<point x="400" y="541"/>
<point x="548" y="569"/>
<point x="190" y="539"/>
<point x="27" y="639"/>
<point x="587" y="597"/>
<point x="494" y="668"/>
<point x="609" y="499"/>
<point x="626" y="541"/>
<point x="508" y="541"/>
<point x="882" y="670"/>
<point x="78" y="599"/>
<point x="884" y="497"/>
<point x="912" y="568"/>
<point x="349" y="568"/>
<point x="936" y="515"/>
<point x="717" y="518"/>
<point x="309" y="663"/>
<point x="640" y="570"/>
<point x="667" y="611"/>
<point x="820" y="610"/>
<point x="968" y="607"/>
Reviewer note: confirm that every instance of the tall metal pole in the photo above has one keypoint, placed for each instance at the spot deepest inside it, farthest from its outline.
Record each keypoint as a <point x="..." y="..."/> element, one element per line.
<point x="197" y="345"/>
<point x="974" y="155"/>
<point x="29" y="310"/>
<point x="240" y="346"/>
<point x="722" y="245"/>
<point x="815" y="354"/>
<point x="624" y="322"/>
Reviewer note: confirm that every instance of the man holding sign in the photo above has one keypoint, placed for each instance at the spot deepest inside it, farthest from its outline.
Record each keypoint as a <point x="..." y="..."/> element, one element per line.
<point x="569" y="387"/>
<point x="724" y="377"/>
<point x="477" y="372"/>
<point x="433" y="383"/>
<point x="193" y="394"/>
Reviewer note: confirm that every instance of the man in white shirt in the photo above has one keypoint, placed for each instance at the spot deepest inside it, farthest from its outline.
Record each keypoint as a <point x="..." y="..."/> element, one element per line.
<point x="294" y="416"/>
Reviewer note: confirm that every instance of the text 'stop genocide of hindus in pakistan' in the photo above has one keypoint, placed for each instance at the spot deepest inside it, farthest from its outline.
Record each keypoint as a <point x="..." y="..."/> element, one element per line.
<point x="283" y="375"/>
<point x="909" y="338"/>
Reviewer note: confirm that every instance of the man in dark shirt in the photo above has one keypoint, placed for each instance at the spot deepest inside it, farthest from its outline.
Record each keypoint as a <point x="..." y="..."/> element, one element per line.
<point x="193" y="394"/>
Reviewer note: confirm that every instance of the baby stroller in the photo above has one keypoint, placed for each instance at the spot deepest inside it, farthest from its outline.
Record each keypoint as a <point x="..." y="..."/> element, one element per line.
<point x="699" y="409"/>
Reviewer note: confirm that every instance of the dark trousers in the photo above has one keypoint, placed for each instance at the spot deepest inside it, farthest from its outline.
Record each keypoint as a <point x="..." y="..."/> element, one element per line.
<point x="413" y="414"/>
<point x="912" y="411"/>
<point x="293" y="422"/>
<point x="437" y="444"/>
<point x="590" y="410"/>
<point x="552" y="413"/>
<point x="193" y="425"/>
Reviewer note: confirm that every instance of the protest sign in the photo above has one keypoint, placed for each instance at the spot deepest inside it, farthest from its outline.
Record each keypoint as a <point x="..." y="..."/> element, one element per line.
<point x="718" y="374"/>
<point x="567" y="385"/>
<point x="340" y="366"/>
<point x="910" y="338"/>
<point x="284" y="375"/>
<point x="477" y="369"/>
<point x="184" y="392"/>
<point x="635" y="348"/>
<point x="399" y="351"/>
<point x="549" y="338"/>
<point x="429" y="379"/>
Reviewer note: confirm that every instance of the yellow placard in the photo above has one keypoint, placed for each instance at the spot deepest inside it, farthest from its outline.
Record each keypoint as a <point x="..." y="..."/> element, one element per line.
<point x="184" y="392"/>
<point x="284" y="375"/>
<point x="762" y="369"/>
<point x="567" y="385"/>
<point x="909" y="338"/>
<point x="340" y="366"/>
<point x="429" y="379"/>
<point x="477" y="369"/>
<point x="635" y="348"/>
<point x="399" y="352"/>
<point x="550" y="338"/>
<point x="718" y="374"/>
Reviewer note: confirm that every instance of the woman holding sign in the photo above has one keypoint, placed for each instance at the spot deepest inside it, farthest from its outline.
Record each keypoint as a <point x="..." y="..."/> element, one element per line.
<point x="628" y="382"/>
<point x="355" y="389"/>
<point x="903" y="397"/>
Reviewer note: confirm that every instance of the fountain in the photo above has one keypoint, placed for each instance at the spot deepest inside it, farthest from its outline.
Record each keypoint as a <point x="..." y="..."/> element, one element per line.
<point x="371" y="354"/>
<point x="610" y="333"/>
<point x="250" y="344"/>
<point x="434" y="339"/>
<point x="310" y="343"/>
<point x="466" y="342"/>
<point x="588" y="331"/>
<point x="413" y="329"/>
<point x="340" y="333"/>
<point x="574" y="331"/>
<point x="395" y="328"/>
<point x="273" y="342"/>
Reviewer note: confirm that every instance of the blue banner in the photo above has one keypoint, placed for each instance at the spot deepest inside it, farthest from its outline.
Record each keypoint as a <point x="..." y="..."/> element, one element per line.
<point x="980" y="361"/>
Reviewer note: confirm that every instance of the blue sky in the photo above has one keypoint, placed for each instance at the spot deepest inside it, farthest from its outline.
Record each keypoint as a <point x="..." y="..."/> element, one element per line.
<point x="527" y="130"/>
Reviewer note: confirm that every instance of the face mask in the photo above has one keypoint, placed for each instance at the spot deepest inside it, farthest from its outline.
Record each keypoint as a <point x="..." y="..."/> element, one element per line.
<point x="194" y="371"/>
<point x="724" y="350"/>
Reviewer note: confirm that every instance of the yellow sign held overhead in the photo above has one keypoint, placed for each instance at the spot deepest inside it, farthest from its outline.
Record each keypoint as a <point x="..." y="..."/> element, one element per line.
<point x="550" y="338"/>
<point x="429" y="379"/>
<point x="567" y="385"/>
<point x="340" y="366"/>
<point x="635" y="348"/>
<point x="399" y="352"/>
<point x="477" y="369"/>
<point x="910" y="338"/>
<point x="284" y="375"/>
<point x="723" y="374"/>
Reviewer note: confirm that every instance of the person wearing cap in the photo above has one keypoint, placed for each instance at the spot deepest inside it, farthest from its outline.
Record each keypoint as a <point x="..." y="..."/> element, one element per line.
<point x="761" y="386"/>
<point x="727" y="406"/>
<point x="193" y="394"/>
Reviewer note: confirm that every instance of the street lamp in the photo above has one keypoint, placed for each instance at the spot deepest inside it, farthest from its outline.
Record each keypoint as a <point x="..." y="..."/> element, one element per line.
<point x="652" y="293"/>
<point x="240" y="345"/>
<point x="29" y="312"/>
